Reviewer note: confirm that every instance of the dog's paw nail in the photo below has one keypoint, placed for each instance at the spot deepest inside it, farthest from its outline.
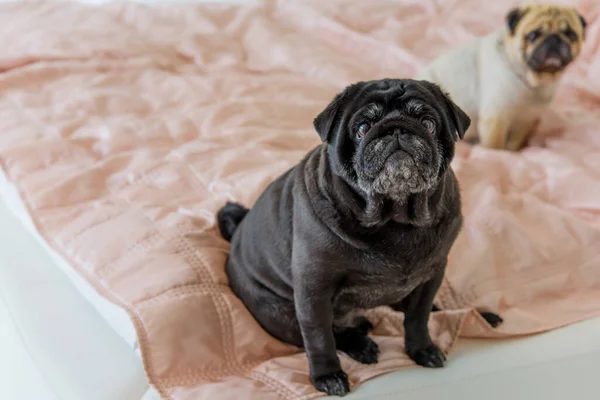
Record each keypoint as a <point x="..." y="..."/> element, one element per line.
<point x="493" y="319"/>
<point x="430" y="357"/>
<point x="334" y="384"/>
<point x="365" y="351"/>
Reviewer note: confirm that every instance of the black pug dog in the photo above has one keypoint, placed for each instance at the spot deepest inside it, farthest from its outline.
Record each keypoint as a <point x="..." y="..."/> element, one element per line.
<point x="366" y="219"/>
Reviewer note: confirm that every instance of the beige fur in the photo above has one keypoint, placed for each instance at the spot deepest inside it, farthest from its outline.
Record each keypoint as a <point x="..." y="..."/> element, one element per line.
<point x="491" y="80"/>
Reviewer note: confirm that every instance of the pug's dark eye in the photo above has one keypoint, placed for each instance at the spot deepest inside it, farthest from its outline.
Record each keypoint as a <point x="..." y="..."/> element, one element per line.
<point x="429" y="125"/>
<point x="533" y="35"/>
<point x="571" y="34"/>
<point x="363" y="128"/>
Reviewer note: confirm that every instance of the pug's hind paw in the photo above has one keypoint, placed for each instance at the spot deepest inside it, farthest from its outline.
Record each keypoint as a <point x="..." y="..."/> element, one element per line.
<point x="364" y="350"/>
<point x="493" y="319"/>
<point x="355" y="343"/>
<point x="334" y="384"/>
<point x="363" y="325"/>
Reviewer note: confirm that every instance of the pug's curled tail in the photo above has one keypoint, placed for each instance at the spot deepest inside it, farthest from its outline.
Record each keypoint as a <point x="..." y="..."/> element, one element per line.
<point x="229" y="217"/>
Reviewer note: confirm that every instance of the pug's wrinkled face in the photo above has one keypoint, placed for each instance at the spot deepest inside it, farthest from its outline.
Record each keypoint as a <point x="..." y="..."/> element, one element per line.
<point x="391" y="137"/>
<point x="546" y="38"/>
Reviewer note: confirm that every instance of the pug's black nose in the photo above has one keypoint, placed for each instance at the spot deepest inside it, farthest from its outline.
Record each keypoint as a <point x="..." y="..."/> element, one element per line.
<point x="397" y="132"/>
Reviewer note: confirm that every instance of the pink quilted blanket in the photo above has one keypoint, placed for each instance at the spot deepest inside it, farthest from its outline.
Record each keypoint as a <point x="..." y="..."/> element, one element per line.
<point x="126" y="127"/>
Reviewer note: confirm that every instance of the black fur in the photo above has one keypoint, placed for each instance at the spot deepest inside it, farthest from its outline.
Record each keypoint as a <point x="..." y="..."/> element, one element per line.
<point x="229" y="217"/>
<point x="493" y="319"/>
<point x="365" y="219"/>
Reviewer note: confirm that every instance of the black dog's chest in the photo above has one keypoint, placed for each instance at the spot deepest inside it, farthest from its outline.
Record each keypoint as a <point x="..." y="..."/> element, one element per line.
<point x="389" y="285"/>
<point x="388" y="275"/>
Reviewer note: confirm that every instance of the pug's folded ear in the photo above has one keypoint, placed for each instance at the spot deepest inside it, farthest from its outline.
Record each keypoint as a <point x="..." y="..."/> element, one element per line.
<point x="513" y="17"/>
<point x="583" y="24"/>
<point x="460" y="118"/>
<point x="455" y="114"/>
<point x="324" y="122"/>
<point x="327" y="120"/>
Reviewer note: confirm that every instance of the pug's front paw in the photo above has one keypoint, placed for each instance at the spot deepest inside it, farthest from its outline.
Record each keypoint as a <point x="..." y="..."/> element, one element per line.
<point x="334" y="384"/>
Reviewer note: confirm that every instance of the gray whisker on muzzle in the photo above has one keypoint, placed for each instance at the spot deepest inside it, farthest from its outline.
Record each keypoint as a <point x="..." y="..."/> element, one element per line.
<point x="397" y="165"/>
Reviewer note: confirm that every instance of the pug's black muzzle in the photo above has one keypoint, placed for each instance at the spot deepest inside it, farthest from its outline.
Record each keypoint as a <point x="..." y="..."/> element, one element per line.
<point x="391" y="136"/>
<point x="553" y="54"/>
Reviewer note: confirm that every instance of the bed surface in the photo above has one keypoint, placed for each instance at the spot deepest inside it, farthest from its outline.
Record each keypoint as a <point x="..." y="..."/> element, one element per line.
<point x="57" y="346"/>
<point x="60" y="340"/>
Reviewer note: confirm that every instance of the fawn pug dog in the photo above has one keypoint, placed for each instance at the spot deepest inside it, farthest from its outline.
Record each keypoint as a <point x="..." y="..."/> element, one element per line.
<point x="365" y="219"/>
<point x="504" y="80"/>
